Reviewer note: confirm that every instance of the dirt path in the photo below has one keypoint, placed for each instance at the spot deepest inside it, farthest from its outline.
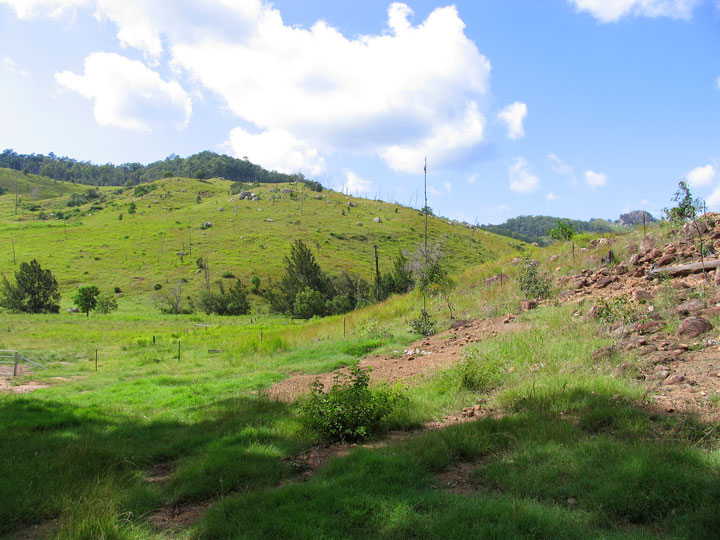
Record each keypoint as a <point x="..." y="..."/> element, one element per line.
<point x="420" y="359"/>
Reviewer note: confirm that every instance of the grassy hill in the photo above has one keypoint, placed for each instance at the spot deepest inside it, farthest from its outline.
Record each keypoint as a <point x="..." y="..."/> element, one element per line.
<point x="535" y="228"/>
<point x="92" y="244"/>
<point x="32" y="188"/>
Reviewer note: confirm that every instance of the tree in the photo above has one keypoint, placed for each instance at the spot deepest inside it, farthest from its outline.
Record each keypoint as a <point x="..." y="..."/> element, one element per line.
<point x="35" y="290"/>
<point x="106" y="303"/>
<point x="688" y="210"/>
<point x="564" y="230"/>
<point x="85" y="298"/>
<point x="233" y="302"/>
<point x="301" y="272"/>
<point x="429" y="266"/>
<point x="132" y="208"/>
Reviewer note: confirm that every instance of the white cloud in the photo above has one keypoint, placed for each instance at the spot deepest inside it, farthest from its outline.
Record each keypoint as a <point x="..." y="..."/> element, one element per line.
<point x="354" y="184"/>
<point x="448" y="186"/>
<point x="445" y="143"/>
<point x="551" y="197"/>
<point x="434" y="192"/>
<point x="701" y="176"/>
<point x="32" y="9"/>
<point x="521" y="179"/>
<point x="595" y="180"/>
<point x="560" y="167"/>
<point x="713" y="200"/>
<point x="9" y="65"/>
<point x="513" y="115"/>
<point x="278" y="150"/>
<point x="410" y="91"/>
<point x="127" y="94"/>
<point x="613" y="10"/>
<point x="717" y="83"/>
<point x="472" y="179"/>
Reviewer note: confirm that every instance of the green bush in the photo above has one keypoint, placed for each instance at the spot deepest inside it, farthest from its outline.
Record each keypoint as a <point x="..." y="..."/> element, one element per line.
<point x="233" y="302"/>
<point x="478" y="372"/>
<point x="423" y="325"/>
<point x="532" y="282"/>
<point x="309" y="303"/>
<point x="349" y="411"/>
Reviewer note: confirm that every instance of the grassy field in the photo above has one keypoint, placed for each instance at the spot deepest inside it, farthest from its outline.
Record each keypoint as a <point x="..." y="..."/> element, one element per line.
<point x="247" y="238"/>
<point x="571" y="452"/>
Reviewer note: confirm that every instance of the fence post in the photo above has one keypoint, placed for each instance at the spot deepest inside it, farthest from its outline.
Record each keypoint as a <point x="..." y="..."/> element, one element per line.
<point x="17" y="354"/>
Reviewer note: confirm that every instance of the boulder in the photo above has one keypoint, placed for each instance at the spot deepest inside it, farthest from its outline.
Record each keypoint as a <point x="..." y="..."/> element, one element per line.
<point x="527" y="305"/>
<point x="207" y="225"/>
<point x="604" y="282"/>
<point x="642" y="295"/>
<point x="693" y="327"/>
<point x="497" y="278"/>
<point x="690" y="307"/>
<point x="352" y="204"/>
<point x="377" y="220"/>
<point x="665" y="260"/>
<point x="359" y="223"/>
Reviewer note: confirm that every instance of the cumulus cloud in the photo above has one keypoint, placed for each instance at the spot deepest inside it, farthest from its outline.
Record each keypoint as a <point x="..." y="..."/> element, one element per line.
<point x="472" y="179"/>
<point x="551" y="197"/>
<point x="278" y="150"/>
<point x="448" y="186"/>
<point x="127" y="94"/>
<point x="354" y="184"/>
<point x="513" y="115"/>
<point x="521" y="178"/>
<point x="613" y="10"/>
<point x="595" y="180"/>
<point x="701" y="176"/>
<point x="32" y="9"/>
<point x="409" y="91"/>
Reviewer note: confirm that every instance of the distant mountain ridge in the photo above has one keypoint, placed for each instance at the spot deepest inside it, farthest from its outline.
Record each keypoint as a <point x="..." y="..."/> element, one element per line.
<point x="200" y="166"/>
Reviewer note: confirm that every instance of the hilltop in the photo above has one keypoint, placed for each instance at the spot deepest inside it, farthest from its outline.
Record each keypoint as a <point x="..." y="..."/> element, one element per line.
<point x="534" y="229"/>
<point x="178" y="220"/>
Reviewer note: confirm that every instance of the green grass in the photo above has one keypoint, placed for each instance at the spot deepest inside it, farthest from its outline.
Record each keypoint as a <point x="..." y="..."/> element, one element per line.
<point x="574" y="455"/>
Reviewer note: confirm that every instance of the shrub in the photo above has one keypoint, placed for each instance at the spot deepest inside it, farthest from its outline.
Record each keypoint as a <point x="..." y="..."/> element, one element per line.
<point x="308" y="304"/>
<point x="361" y="349"/>
<point x="233" y="302"/>
<point x="117" y="289"/>
<point x="106" y="303"/>
<point x="255" y="285"/>
<point x="611" y="310"/>
<point x="228" y="275"/>
<point x="478" y="372"/>
<point x="77" y="199"/>
<point x="374" y="330"/>
<point x="143" y="189"/>
<point x="349" y="411"/>
<point x="157" y="286"/>
<point x="532" y="282"/>
<point x="423" y="325"/>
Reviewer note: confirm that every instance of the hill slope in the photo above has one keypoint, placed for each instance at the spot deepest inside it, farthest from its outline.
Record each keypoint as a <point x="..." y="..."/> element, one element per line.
<point x="94" y="244"/>
<point x="535" y="228"/>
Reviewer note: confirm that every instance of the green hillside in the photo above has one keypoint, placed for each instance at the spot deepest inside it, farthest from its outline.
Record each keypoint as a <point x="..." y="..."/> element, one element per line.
<point x="535" y="228"/>
<point x="32" y="188"/>
<point x="91" y="244"/>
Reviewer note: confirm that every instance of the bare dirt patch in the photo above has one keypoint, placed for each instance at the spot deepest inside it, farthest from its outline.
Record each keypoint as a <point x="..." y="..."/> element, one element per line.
<point x="40" y="531"/>
<point x="177" y="517"/>
<point x="420" y="359"/>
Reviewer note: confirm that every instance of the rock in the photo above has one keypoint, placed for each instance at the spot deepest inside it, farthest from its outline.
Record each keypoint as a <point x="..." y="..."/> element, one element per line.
<point x="691" y="307"/>
<point x="604" y="242"/>
<point x="352" y="204"/>
<point x="377" y="220"/>
<point x="72" y="310"/>
<point x="563" y="296"/>
<point x="207" y="225"/>
<point x="660" y="375"/>
<point x="604" y="282"/>
<point x="650" y="327"/>
<point x="579" y="283"/>
<point x="665" y="260"/>
<point x="527" y="305"/>
<point x="516" y="260"/>
<point x="221" y="209"/>
<point x="622" y="369"/>
<point x="693" y="327"/>
<point x="553" y="258"/>
<point x="713" y="311"/>
<point x="674" y="379"/>
<point x="647" y="243"/>
<point x="642" y="296"/>
<point x="269" y="220"/>
<point x="604" y="353"/>
<point x="609" y="258"/>
<point x="359" y="223"/>
<point x="633" y="260"/>
<point x="497" y="278"/>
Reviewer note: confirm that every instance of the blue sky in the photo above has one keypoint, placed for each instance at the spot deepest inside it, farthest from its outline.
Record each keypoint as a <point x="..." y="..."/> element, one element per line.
<point x="577" y="108"/>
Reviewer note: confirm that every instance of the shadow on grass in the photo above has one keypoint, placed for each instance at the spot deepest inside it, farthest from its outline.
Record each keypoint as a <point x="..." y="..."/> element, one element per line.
<point x="605" y="470"/>
<point x="56" y="454"/>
